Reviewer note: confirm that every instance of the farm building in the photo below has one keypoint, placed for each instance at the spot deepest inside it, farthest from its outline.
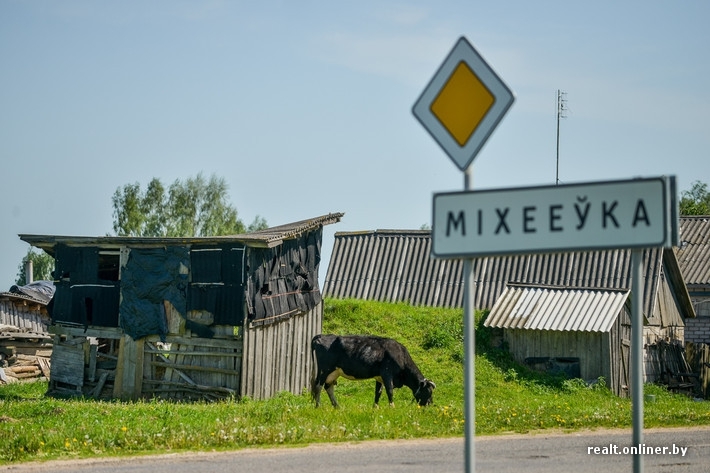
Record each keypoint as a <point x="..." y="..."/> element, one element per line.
<point x="584" y="332"/>
<point x="185" y="318"/>
<point x="25" y="307"/>
<point x="395" y="265"/>
<point x="25" y="344"/>
<point x="694" y="260"/>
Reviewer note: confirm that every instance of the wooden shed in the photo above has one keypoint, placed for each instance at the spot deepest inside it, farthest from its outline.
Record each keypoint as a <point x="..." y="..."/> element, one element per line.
<point x="584" y="332"/>
<point x="185" y="318"/>
<point x="25" y="344"/>
<point x="25" y="307"/>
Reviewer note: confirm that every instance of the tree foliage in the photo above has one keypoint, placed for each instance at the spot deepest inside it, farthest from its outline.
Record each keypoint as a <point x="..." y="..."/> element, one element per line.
<point x="695" y="201"/>
<point x="194" y="207"/>
<point x="259" y="223"/>
<point x="42" y="267"/>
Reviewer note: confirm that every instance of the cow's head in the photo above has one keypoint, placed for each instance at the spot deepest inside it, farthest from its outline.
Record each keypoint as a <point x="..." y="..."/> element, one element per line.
<point x="424" y="393"/>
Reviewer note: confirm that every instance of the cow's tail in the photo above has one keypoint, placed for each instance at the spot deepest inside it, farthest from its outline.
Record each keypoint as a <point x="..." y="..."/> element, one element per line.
<point x="314" y="367"/>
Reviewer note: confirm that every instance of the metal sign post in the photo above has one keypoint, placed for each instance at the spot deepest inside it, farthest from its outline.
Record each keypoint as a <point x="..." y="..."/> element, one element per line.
<point x="469" y="344"/>
<point x="637" y="356"/>
<point x="460" y="108"/>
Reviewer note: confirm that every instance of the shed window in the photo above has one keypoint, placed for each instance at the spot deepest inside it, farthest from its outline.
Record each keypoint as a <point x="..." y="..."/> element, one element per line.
<point x="108" y="265"/>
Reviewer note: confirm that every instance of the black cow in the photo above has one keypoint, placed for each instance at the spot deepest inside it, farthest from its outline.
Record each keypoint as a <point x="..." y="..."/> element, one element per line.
<point x="366" y="357"/>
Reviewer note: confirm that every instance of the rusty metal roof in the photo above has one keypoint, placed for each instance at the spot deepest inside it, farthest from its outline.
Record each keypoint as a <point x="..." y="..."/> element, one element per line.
<point x="535" y="307"/>
<point x="694" y="251"/>
<point x="267" y="238"/>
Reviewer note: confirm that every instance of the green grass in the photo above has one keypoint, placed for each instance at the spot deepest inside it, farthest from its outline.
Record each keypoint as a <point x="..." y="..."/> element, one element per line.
<point x="508" y="398"/>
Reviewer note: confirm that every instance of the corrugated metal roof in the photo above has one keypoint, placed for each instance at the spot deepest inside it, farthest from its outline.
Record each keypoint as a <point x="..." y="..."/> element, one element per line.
<point x="557" y="308"/>
<point x="269" y="237"/>
<point x="396" y="265"/>
<point x="694" y="251"/>
<point x="392" y="266"/>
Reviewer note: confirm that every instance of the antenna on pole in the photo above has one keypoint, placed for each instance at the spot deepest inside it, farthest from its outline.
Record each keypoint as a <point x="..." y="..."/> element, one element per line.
<point x="561" y="113"/>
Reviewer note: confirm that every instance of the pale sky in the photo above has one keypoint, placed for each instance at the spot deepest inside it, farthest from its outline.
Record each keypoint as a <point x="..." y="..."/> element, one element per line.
<point x="304" y="107"/>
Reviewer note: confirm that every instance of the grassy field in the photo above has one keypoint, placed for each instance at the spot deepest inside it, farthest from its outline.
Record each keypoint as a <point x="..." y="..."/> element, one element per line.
<point x="508" y="398"/>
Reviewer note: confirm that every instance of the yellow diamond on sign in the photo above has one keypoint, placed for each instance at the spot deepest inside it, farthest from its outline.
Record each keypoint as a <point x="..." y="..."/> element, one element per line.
<point x="462" y="103"/>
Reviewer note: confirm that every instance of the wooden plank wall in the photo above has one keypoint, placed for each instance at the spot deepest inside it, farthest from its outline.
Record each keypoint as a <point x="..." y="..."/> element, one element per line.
<point x="600" y="354"/>
<point x="667" y="309"/>
<point x="587" y="346"/>
<point x="23" y="315"/>
<point x="277" y="356"/>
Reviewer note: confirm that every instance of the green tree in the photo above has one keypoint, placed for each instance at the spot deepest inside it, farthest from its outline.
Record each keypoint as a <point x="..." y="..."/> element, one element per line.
<point x="137" y="213"/>
<point x="195" y="207"/>
<point x="42" y="267"/>
<point x="696" y="201"/>
<point x="259" y="223"/>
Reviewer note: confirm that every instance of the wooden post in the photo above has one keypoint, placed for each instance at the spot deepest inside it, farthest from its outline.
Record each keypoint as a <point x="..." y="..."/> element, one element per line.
<point x="129" y="370"/>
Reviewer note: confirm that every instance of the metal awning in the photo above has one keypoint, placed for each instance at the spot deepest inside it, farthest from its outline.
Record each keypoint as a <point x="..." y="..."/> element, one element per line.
<point x="534" y="307"/>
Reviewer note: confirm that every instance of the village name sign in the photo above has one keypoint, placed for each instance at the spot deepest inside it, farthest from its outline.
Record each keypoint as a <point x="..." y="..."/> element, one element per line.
<point x="593" y="216"/>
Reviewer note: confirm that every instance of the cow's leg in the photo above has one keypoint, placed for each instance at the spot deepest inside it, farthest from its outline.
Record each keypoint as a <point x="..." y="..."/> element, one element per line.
<point x="329" y="388"/>
<point x="378" y="392"/>
<point x="389" y="389"/>
<point x="315" y="391"/>
<point x="317" y="384"/>
<point x="330" y="381"/>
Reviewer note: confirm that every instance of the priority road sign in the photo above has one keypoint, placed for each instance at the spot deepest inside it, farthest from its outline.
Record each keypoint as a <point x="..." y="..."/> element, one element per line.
<point x="463" y="103"/>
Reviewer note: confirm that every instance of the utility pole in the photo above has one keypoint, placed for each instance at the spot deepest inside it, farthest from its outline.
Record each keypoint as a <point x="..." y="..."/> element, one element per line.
<point x="561" y="113"/>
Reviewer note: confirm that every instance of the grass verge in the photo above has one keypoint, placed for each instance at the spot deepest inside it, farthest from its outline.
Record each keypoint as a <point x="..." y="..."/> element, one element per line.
<point x="508" y="398"/>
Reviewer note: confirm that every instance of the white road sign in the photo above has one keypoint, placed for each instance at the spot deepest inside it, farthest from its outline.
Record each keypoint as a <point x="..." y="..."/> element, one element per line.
<point x="636" y="213"/>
